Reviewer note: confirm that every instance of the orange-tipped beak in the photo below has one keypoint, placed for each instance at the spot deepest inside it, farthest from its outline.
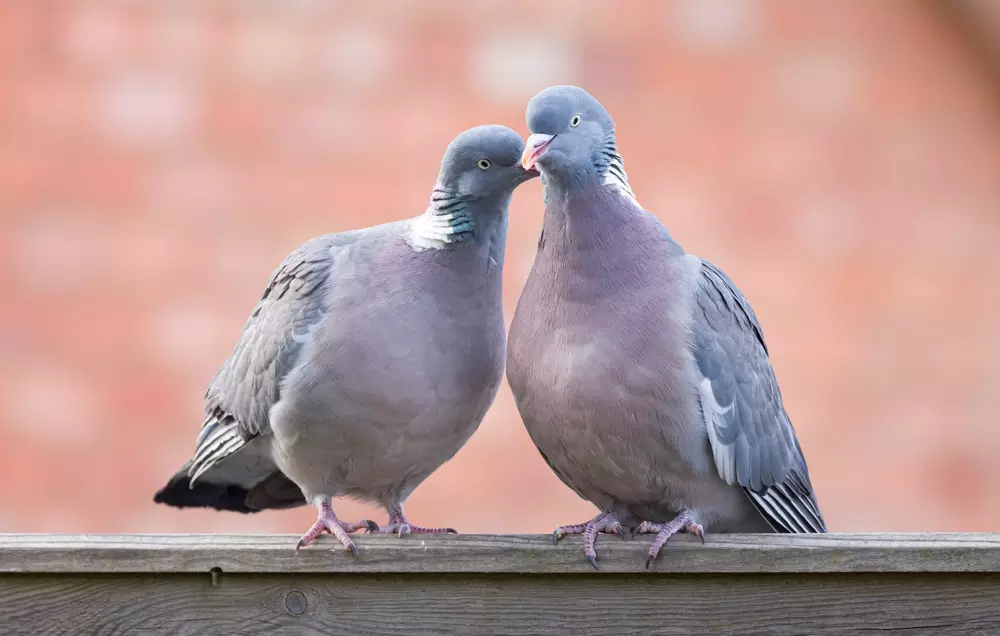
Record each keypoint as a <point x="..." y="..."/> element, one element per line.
<point x="533" y="148"/>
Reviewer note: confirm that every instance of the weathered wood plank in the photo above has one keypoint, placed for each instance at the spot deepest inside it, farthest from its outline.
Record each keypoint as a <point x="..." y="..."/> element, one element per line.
<point x="471" y="604"/>
<point x="469" y="554"/>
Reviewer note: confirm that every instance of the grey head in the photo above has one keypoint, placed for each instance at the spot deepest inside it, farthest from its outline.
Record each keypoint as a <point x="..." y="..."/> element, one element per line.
<point x="479" y="172"/>
<point x="483" y="163"/>
<point x="572" y="140"/>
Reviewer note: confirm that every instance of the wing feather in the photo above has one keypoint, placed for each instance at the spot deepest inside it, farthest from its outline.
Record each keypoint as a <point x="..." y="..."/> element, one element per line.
<point x="752" y="439"/>
<point x="239" y="399"/>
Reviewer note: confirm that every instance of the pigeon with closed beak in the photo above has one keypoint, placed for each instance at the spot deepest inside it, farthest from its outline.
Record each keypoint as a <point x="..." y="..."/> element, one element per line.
<point x="371" y="358"/>
<point x="640" y="370"/>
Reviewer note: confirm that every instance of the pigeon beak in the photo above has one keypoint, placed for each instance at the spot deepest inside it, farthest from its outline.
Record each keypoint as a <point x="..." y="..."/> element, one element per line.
<point x="533" y="149"/>
<point x="529" y="174"/>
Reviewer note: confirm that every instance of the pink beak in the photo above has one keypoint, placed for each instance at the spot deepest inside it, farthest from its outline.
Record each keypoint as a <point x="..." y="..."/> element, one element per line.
<point x="533" y="148"/>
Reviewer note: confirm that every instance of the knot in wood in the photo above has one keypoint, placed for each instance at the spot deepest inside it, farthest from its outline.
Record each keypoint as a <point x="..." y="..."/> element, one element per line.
<point x="295" y="603"/>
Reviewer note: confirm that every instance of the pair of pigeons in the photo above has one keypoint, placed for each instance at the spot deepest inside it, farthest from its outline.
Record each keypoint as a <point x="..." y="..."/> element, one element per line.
<point x="640" y="371"/>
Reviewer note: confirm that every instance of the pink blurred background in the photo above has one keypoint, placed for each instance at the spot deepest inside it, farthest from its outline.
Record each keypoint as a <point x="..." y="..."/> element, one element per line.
<point x="841" y="160"/>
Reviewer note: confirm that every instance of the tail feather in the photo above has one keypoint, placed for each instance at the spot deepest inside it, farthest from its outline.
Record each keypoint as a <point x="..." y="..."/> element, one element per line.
<point x="248" y="482"/>
<point x="276" y="491"/>
<point x="179" y="493"/>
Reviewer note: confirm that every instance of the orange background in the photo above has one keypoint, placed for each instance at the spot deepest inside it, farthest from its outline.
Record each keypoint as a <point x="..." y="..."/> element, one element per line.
<point x="841" y="160"/>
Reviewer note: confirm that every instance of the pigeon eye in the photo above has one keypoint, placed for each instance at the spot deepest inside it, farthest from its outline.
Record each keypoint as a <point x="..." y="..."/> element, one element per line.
<point x="575" y="120"/>
<point x="484" y="164"/>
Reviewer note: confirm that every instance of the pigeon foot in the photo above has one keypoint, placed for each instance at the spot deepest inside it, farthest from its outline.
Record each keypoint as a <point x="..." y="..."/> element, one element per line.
<point x="398" y="525"/>
<point x="399" y="529"/>
<point x="684" y="521"/>
<point x="326" y="521"/>
<point x="603" y="523"/>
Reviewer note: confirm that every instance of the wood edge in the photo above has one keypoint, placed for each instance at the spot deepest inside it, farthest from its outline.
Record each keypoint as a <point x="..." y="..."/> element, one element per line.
<point x="499" y="554"/>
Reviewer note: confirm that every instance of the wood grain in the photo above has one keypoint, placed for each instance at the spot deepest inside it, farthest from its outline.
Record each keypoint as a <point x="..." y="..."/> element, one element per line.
<point x="473" y="604"/>
<point x="489" y="554"/>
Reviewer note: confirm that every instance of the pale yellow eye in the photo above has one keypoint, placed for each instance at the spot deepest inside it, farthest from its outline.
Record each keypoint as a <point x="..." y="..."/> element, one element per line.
<point x="575" y="120"/>
<point x="484" y="164"/>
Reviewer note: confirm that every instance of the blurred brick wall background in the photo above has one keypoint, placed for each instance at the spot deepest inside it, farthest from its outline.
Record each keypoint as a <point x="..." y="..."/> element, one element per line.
<point x="841" y="160"/>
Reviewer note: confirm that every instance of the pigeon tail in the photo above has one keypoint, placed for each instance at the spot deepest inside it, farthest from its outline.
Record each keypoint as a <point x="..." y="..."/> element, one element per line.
<point x="179" y="493"/>
<point x="275" y="491"/>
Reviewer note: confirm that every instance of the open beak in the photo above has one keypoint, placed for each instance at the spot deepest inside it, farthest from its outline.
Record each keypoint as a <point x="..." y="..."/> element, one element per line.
<point x="533" y="149"/>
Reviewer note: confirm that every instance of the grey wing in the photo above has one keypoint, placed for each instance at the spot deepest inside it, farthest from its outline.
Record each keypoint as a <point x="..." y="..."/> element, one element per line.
<point x="751" y="436"/>
<point x="239" y="399"/>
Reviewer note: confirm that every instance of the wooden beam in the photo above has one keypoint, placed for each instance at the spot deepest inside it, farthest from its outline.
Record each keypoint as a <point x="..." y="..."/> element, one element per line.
<point x="468" y="584"/>
<point x="492" y="554"/>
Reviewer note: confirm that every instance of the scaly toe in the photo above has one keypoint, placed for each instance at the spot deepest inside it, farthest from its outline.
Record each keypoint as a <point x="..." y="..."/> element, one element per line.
<point x="697" y="530"/>
<point x="310" y="537"/>
<point x="652" y="556"/>
<point x="422" y="530"/>
<point x="648" y="528"/>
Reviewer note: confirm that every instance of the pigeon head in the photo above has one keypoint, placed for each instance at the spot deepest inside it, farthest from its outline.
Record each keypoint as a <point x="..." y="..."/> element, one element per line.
<point x="479" y="172"/>
<point x="483" y="163"/>
<point x="572" y="138"/>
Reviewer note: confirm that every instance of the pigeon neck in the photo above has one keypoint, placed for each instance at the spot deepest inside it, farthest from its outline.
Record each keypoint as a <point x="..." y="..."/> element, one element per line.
<point x="446" y="222"/>
<point x="589" y="217"/>
<point x="612" y="167"/>
<point x="452" y="220"/>
<point x="608" y="169"/>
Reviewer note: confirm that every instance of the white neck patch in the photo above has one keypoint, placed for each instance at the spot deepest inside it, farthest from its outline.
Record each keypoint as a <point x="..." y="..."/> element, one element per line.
<point x="615" y="176"/>
<point x="435" y="230"/>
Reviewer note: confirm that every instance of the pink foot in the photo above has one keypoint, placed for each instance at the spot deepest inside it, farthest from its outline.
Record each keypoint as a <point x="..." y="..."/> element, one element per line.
<point x="326" y="521"/>
<point x="603" y="522"/>
<point x="663" y="531"/>
<point x="399" y="526"/>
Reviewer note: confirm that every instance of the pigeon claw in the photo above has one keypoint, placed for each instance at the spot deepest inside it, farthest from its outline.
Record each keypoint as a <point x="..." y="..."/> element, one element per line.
<point x="603" y="523"/>
<point x="697" y="530"/>
<point x="405" y="528"/>
<point x="327" y="522"/>
<point x="308" y="538"/>
<point x="353" y="549"/>
<point x="663" y="531"/>
<point x="402" y="528"/>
